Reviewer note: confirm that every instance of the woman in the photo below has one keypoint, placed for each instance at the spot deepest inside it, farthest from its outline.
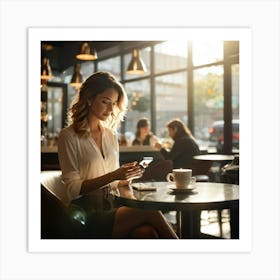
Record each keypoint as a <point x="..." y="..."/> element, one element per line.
<point x="184" y="147"/>
<point x="89" y="158"/>
<point x="143" y="135"/>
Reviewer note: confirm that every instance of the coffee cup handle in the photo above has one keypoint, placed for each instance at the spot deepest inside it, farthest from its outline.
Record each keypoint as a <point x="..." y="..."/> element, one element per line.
<point x="193" y="180"/>
<point x="170" y="177"/>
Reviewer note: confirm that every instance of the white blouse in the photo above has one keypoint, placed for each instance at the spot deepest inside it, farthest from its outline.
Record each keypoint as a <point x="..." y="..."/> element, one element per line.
<point x="81" y="159"/>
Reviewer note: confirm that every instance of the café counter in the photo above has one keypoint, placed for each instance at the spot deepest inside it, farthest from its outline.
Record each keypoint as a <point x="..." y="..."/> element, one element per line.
<point x="49" y="155"/>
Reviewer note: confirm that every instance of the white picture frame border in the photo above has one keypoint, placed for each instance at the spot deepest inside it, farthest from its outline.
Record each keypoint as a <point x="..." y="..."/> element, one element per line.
<point x="243" y="35"/>
<point x="16" y="262"/>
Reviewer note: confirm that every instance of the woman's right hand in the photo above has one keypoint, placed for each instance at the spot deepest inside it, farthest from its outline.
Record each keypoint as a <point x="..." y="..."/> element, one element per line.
<point x="129" y="171"/>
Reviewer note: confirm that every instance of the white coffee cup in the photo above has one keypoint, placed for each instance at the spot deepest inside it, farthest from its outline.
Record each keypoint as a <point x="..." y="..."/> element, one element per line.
<point x="181" y="177"/>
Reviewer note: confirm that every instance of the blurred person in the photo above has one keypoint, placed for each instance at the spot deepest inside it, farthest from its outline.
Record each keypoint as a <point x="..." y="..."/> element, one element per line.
<point x="88" y="153"/>
<point x="143" y="134"/>
<point x="184" y="147"/>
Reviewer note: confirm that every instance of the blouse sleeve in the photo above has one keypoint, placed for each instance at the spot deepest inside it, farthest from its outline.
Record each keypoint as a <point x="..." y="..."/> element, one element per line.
<point x="68" y="160"/>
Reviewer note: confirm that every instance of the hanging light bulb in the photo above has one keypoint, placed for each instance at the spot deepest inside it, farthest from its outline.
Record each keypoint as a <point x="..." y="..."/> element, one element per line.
<point x="86" y="53"/>
<point x="136" y="65"/>
<point x="77" y="78"/>
<point x="46" y="72"/>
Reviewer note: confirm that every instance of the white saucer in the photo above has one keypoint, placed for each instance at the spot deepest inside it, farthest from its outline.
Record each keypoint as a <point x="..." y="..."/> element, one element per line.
<point x="184" y="190"/>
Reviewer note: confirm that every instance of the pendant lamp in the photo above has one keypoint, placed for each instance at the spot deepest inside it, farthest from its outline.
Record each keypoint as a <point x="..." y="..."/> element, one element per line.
<point x="77" y="78"/>
<point x="136" y="65"/>
<point x="46" y="72"/>
<point x="86" y="52"/>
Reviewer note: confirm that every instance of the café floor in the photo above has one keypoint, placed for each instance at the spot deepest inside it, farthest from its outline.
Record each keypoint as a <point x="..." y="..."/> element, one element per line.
<point x="209" y="223"/>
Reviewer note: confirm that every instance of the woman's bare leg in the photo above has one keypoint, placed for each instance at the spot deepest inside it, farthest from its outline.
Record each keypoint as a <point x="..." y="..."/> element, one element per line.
<point x="127" y="219"/>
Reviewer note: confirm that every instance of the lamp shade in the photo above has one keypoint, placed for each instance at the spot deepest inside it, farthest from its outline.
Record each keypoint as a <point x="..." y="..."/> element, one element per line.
<point x="136" y="65"/>
<point x="46" y="72"/>
<point x="86" y="52"/>
<point x="77" y="78"/>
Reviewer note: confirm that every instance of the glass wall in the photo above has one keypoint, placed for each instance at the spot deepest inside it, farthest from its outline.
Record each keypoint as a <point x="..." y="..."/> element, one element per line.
<point x="207" y="52"/>
<point x="235" y="90"/>
<point x="170" y="55"/>
<point x="171" y="100"/>
<point x="180" y="75"/>
<point x="112" y="65"/>
<point x="208" y="100"/>
<point x="139" y="106"/>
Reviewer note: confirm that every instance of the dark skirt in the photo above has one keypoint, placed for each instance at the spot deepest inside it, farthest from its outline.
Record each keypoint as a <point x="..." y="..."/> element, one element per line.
<point x="97" y="212"/>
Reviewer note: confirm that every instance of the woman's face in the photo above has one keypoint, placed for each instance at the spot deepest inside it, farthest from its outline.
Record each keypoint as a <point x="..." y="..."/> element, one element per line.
<point x="104" y="104"/>
<point x="144" y="131"/>
<point x="172" y="132"/>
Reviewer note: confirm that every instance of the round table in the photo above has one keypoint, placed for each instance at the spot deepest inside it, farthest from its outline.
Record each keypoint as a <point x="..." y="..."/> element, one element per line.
<point x="215" y="157"/>
<point x="205" y="196"/>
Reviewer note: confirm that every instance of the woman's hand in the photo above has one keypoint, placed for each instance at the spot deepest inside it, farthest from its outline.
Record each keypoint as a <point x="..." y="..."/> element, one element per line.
<point x="126" y="191"/>
<point x="129" y="171"/>
<point x="158" y="146"/>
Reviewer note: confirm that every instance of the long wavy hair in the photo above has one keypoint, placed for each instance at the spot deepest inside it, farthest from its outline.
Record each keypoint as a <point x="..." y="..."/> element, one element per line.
<point x="182" y="129"/>
<point x="79" y="109"/>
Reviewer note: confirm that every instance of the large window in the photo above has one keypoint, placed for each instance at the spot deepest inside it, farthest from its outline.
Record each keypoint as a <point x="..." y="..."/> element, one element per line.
<point x="171" y="100"/>
<point x="208" y="100"/>
<point x="205" y="52"/>
<point x="170" y="55"/>
<point x="112" y="65"/>
<point x="139" y="98"/>
<point x="235" y="90"/>
<point x="180" y="75"/>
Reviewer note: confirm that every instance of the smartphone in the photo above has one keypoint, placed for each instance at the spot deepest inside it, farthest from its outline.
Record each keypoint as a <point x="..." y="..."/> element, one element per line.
<point x="146" y="161"/>
<point x="143" y="187"/>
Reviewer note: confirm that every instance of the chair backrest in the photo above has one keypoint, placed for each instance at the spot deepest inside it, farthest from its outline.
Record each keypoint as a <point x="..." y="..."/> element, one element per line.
<point x="158" y="170"/>
<point x="57" y="219"/>
<point x="200" y="167"/>
<point x="51" y="180"/>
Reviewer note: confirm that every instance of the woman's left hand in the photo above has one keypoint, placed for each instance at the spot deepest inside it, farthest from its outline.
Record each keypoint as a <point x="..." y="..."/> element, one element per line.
<point x="129" y="171"/>
<point x="126" y="191"/>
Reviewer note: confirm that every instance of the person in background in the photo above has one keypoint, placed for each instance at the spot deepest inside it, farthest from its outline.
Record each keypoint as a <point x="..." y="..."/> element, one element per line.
<point x="88" y="153"/>
<point x="184" y="147"/>
<point x="143" y="135"/>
